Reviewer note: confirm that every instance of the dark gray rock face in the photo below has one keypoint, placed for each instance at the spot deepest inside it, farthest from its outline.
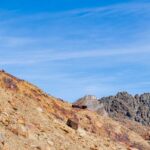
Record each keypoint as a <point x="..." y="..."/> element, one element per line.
<point x="121" y="106"/>
<point x="124" y="105"/>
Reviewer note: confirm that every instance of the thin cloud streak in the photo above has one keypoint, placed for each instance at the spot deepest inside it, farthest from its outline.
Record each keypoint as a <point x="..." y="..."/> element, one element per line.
<point x="52" y="56"/>
<point x="131" y="7"/>
<point x="17" y="41"/>
<point x="45" y="56"/>
<point x="105" y="10"/>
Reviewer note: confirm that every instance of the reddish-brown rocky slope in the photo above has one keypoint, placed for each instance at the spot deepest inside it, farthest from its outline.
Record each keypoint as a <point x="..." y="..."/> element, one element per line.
<point x="32" y="120"/>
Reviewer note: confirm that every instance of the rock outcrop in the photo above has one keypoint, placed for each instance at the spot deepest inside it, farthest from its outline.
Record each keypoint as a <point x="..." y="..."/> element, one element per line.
<point x="92" y="104"/>
<point x="124" y="105"/>
<point x="120" y="106"/>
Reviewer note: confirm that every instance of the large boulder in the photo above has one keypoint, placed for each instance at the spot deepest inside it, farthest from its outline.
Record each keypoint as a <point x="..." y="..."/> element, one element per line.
<point x="72" y="123"/>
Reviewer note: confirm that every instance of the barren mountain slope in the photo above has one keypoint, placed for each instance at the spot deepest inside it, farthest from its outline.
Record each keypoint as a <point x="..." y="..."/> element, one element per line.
<point x="32" y="120"/>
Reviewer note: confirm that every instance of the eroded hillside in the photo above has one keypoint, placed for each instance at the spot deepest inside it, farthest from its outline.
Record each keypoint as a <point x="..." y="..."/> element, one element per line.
<point x="32" y="120"/>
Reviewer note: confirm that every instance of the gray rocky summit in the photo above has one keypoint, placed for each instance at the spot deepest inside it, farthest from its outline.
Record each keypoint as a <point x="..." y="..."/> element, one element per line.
<point x="92" y="103"/>
<point x="122" y="105"/>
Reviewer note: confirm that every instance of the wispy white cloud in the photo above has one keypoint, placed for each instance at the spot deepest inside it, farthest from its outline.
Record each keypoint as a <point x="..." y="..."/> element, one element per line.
<point x="103" y="10"/>
<point x="107" y="10"/>
<point x="28" y="58"/>
<point x="17" y="41"/>
<point x="96" y="40"/>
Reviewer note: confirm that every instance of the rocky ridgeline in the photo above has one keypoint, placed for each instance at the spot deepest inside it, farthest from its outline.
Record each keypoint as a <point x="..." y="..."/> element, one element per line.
<point x="136" y="107"/>
<point x="121" y="106"/>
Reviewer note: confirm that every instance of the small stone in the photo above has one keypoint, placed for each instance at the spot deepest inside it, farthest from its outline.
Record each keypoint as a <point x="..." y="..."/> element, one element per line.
<point x="36" y="147"/>
<point x="73" y="124"/>
<point x="39" y="109"/>
<point x="23" y="131"/>
<point x="2" y="137"/>
<point x="50" y="143"/>
<point x="21" y="121"/>
<point x="81" y="132"/>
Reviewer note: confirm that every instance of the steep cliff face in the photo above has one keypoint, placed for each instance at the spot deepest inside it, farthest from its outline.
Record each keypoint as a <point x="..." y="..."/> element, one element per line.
<point x="32" y="120"/>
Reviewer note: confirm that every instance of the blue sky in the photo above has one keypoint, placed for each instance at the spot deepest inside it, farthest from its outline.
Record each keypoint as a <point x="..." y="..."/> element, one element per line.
<point x="73" y="48"/>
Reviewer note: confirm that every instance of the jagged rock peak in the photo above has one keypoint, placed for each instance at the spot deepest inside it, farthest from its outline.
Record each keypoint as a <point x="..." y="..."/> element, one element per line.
<point x="124" y="105"/>
<point x="89" y="97"/>
<point x="92" y="103"/>
<point x="123" y="93"/>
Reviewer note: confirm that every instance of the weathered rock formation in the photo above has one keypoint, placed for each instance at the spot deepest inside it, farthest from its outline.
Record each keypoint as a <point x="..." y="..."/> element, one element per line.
<point x="124" y="105"/>
<point x="92" y="104"/>
<point x="121" y="106"/>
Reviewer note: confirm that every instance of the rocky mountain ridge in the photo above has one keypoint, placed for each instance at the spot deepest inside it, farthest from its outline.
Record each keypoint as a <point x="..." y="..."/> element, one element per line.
<point x="122" y="105"/>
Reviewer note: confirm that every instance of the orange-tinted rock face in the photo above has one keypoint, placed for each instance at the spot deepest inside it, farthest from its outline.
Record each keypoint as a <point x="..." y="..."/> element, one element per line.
<point x="30" y="119"/>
